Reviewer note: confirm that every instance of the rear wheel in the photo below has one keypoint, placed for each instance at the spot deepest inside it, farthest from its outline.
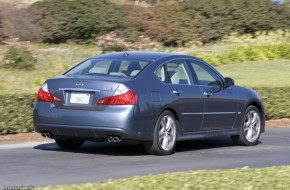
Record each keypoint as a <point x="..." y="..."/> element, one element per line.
<point x="68" y="142"/>
<point x="251" y="128"/>
<point x="165" y="134"/>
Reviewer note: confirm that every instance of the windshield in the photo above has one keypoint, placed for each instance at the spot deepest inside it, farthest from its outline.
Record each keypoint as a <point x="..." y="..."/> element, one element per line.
<point x="109" y="67"/>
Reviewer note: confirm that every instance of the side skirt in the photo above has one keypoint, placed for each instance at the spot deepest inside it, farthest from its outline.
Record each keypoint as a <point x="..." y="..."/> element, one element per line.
<point x="204" y="134"/>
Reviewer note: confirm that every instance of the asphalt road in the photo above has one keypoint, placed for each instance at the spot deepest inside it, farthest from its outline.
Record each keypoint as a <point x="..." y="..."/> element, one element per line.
<point x="43" y="163"/>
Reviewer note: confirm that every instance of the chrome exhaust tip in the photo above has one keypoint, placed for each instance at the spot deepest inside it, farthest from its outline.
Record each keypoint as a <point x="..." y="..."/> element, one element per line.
<point x="114" y="139"/>
<point x="117" y="139"/>
<point x="110" y="139"/>
<point x="48" y="135"/>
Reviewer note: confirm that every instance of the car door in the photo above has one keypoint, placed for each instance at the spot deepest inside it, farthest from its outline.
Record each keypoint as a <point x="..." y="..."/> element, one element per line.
<point x="188" y="98"/>
<point x="220" y="105"/>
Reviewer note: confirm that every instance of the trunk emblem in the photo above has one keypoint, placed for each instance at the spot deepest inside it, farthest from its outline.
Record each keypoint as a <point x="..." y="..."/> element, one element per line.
<point x="79" y="84"/>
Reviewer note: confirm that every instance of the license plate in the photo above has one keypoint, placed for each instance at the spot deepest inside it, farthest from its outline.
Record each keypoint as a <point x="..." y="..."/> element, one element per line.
<point x="79" y="98"/>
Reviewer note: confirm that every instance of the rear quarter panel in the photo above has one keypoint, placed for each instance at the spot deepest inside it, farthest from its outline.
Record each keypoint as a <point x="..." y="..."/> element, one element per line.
<point x="152" y="98"/>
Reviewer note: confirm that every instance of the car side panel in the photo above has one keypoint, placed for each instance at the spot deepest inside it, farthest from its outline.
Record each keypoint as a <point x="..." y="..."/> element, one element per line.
<point x="220" y="109"/>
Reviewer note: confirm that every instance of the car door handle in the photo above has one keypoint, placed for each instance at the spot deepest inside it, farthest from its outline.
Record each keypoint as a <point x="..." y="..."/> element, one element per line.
<point x="207" y="93"/>
<point x="177" y="92"/>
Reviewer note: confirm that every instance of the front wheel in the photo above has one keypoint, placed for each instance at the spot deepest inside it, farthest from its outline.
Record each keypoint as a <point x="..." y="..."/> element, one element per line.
<point x="251" y="128"/>
<point x="68" y="142"/>
<point x="165" y="134"/>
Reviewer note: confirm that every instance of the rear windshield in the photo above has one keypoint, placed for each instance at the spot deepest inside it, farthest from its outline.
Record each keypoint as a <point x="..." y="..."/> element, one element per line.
<point x="109" y="67"/>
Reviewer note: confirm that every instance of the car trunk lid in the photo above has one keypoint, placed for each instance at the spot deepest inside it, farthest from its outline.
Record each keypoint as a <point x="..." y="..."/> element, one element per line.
<point x="81" y="93"/>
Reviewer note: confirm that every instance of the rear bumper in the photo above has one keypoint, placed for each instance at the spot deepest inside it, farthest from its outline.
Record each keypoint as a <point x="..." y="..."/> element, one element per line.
<point x="87" y="132"/>
<point x="91" y="125"/>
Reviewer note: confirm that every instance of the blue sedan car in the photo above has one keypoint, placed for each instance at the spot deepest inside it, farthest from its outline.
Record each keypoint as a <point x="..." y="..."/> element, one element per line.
<point x="149" y="97"/>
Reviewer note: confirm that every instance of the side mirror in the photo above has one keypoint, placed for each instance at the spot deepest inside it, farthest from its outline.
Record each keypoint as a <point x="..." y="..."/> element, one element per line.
<point x="229" y="82"/>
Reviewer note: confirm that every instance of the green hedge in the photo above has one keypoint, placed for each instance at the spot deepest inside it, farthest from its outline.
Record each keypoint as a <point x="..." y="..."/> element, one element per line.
<point x="276" y="101"/>
<point x="17" y="108"/>
<point x="16" y="112"/>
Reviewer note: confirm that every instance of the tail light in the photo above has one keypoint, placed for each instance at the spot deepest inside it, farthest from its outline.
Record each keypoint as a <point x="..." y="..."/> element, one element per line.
<point x="121" y="97"/>
<point x="44" y="95"/>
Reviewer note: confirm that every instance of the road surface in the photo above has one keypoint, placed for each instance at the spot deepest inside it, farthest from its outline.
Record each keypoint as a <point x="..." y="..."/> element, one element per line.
<point x="43" y="163"/>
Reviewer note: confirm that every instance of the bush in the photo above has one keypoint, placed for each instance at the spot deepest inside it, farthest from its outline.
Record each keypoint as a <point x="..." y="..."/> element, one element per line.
<point x="17" y="108"/>
<point x="260" y="37"/>
<point x="208" y="21"/>
<point x="82" y="19"/>
<point x="240" y="53"/>
<point x="171" y="22"/>
<point x="282" y="50"/>
<point x="111" y="42"/>
<point x="212" y="59"/>
<point x="18" y="57"/>
<point x="16" y="112"/>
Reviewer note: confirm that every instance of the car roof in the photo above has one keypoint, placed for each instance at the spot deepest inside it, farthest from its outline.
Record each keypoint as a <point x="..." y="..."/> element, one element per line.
<point x="137" y="55"/>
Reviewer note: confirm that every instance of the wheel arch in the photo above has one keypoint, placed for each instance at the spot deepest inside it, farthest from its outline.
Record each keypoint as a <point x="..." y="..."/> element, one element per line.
<point x="260" y="107"/>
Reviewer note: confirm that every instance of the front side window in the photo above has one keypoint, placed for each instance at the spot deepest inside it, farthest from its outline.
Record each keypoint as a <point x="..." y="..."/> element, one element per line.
<point x="109" y="67"/>
<point x="205" y="75"/>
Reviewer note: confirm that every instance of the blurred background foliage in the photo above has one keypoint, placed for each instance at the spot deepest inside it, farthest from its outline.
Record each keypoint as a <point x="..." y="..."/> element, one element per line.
<point x="82" y="19"/>
<point x="1" y="27"/>
<point x="173" y="23"/>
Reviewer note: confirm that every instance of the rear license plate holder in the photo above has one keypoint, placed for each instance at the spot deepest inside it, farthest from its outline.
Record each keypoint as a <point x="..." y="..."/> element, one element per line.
<point x="79" y="98"/>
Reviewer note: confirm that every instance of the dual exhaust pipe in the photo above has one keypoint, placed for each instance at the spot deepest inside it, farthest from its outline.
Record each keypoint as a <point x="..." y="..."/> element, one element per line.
<point x="46" y="134"/>
<point x="114" y="139"/>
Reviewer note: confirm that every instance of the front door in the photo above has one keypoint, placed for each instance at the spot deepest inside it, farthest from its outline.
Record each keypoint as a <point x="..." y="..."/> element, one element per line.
<point x="220" y="106"/>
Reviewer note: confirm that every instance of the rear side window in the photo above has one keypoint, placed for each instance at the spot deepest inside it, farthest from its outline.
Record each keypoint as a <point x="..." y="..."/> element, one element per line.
<point x="174" y="72"/>
<point x="109" y="67"/>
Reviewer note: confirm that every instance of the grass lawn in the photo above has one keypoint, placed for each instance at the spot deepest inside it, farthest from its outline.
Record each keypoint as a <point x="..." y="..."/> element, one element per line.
<point x="242" y="179"/>
<point x="53" y="60"/>
<point x="259" y="74"/>
<point x="56" y="61"/>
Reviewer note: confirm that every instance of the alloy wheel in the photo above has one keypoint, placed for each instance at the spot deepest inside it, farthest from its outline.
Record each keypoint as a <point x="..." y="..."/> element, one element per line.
<point x="252" y="126"/>
<point x="167" y="132"/>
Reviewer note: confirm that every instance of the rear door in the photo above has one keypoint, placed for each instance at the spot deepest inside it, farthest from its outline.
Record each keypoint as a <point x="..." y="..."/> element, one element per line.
<point x="188" y="97"/>
<point x="220" y="104"/>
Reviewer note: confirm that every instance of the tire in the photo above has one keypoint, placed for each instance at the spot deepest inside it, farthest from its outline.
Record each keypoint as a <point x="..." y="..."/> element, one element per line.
<point x="165" y="135"/>
<point x="250" y="130"/>
<point x="68" y="143"/>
